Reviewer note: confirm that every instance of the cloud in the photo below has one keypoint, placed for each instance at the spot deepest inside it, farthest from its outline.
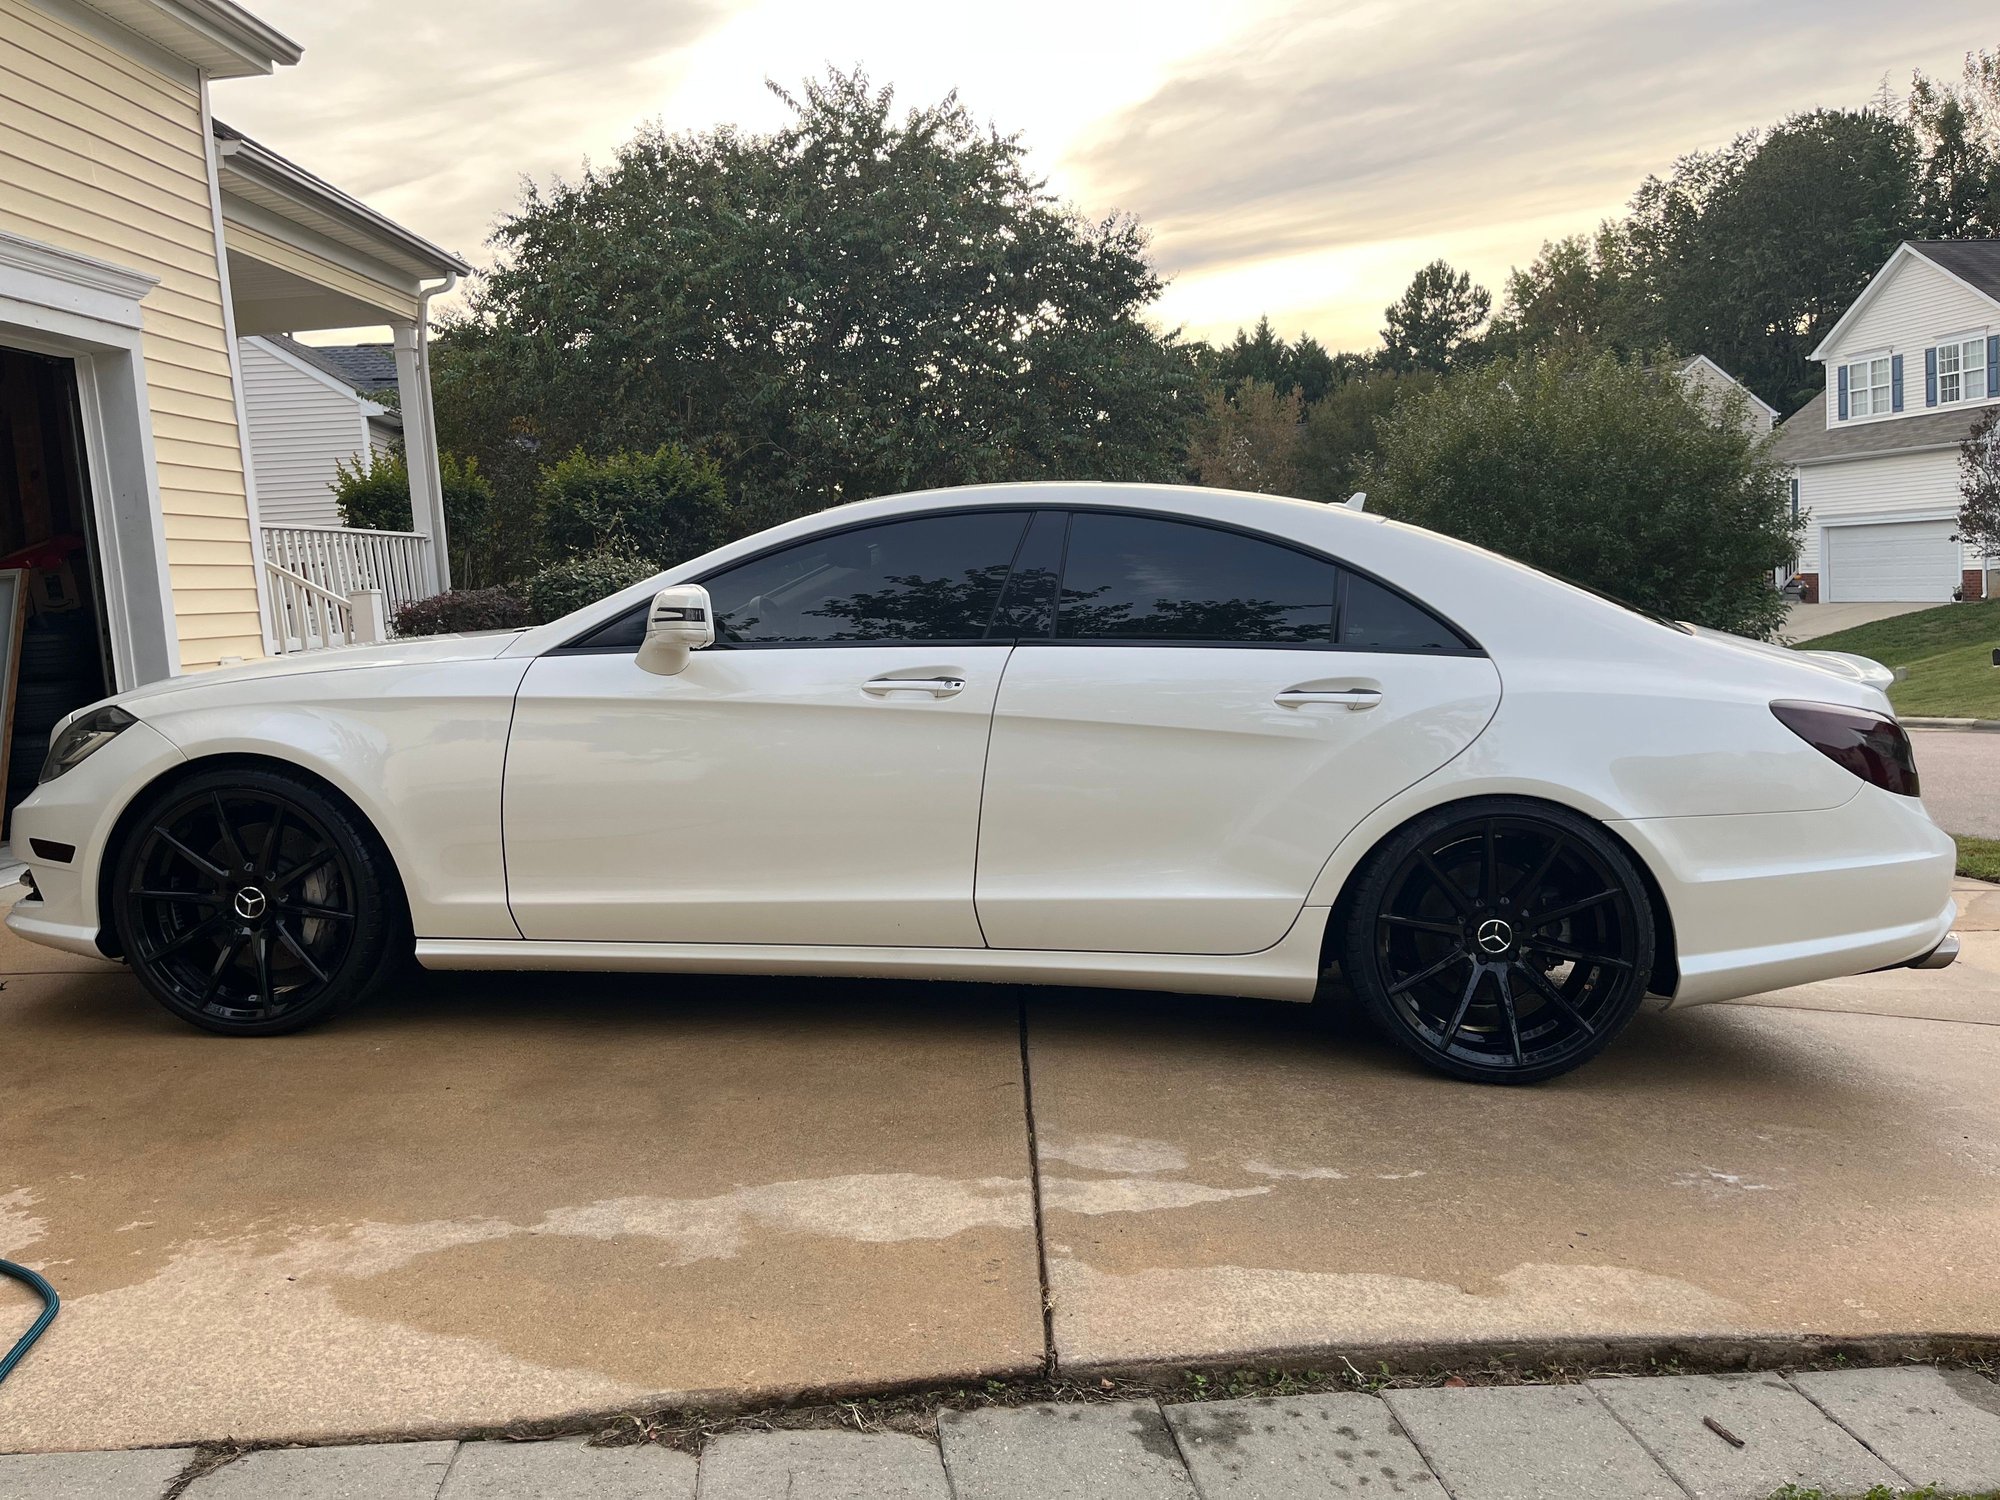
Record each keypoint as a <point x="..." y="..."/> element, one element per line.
<point x="433" y="113"/>
<point x="1326" y="129"/>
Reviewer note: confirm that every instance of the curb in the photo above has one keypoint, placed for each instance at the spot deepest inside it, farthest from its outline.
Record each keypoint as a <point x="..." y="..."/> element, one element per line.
<point x="1918" y="723"/>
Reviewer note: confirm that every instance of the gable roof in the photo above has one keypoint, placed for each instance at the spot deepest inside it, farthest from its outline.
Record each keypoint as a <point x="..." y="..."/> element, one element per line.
<point x="1804" y="438"/>
<point x="1976" y="263"/>
<point x="1754" y="398"/>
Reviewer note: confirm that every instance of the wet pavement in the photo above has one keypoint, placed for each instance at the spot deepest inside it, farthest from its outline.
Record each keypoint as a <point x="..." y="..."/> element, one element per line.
<point x="498" y="1197"/>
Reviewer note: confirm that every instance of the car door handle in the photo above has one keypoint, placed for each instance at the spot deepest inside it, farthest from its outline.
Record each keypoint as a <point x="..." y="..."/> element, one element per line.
<point x="1355" y="699"/>
<point x="937" y="687"/>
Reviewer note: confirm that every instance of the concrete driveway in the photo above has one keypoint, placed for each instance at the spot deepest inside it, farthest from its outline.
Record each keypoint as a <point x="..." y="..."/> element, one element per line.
<point x="490" y="1199"/>
<point x="1805" y="622"/>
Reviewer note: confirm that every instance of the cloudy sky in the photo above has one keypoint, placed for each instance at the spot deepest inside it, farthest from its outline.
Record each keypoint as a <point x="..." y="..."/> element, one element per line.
<point x="1295" y="157"/>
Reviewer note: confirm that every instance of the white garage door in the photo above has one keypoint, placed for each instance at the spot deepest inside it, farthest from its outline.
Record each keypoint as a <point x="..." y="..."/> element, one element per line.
<point x="1903" y="560"/>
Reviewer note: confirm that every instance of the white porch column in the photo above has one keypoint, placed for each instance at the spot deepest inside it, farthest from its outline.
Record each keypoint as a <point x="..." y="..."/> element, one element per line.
<point x="421" y="451"/>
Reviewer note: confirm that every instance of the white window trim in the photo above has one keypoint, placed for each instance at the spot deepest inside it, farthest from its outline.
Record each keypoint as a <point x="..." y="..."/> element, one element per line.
<point x="1959" y="341"/>
<point x="57" y="302"/>
<point x="1848" y="362"/>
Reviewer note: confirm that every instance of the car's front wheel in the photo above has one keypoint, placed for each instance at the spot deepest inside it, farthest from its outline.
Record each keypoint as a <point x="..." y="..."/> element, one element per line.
<point x="1502" y="942"/>
<point x="250" y="903"/>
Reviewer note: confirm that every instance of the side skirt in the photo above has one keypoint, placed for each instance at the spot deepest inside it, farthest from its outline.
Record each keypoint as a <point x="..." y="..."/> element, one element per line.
<point x="1288" y="970"/>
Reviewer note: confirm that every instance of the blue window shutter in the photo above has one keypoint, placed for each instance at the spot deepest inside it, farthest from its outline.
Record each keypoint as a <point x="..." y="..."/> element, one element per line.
<point x="1930" y="377"/>
<point x="1795" y="497"/>
<point x="1843" y="393"/>
<point x="1993" y="364"/>
<point x="1895" y="382"/>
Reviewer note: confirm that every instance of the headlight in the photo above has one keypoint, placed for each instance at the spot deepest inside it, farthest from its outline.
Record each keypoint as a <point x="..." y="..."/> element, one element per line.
<point x="86" y="735"/>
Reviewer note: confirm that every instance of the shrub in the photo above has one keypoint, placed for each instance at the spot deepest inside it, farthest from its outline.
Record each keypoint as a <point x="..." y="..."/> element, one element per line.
<point x="667" y="505"/>
<point x="373" y="492"/>
<point x="569" y="585"/>
<point x="1606" y="472"/>
<point x="456" y="610"/>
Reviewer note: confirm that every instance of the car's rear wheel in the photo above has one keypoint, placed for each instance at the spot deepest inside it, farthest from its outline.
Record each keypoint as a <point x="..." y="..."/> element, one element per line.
<point x="250" y="903"/>
<point x="1503" y="942"/>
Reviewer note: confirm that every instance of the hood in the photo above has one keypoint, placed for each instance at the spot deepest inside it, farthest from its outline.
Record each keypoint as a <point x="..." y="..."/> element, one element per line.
<point x="431" y="648"/>
<point x="1842" y="664"/>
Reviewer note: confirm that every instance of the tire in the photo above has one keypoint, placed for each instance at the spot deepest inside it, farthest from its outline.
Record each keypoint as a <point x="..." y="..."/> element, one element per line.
<point x="1499" y="941"/>
<point x="250" y="903"/>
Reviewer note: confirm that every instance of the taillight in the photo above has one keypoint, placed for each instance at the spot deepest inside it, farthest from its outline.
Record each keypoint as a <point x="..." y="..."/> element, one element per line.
<point x="1873" y="746"/>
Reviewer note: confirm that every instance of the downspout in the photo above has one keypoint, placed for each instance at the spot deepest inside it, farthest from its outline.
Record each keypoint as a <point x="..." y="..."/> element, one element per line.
<point x="440" y="538"/>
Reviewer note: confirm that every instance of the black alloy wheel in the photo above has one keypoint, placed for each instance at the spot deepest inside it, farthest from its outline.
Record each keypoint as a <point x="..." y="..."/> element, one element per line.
<point x="1501" y="942"/>
<point x="250" y="903"/>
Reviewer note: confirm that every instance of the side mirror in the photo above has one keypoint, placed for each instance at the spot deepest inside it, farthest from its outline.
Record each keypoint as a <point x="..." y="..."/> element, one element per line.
<point x="679" y="621"/>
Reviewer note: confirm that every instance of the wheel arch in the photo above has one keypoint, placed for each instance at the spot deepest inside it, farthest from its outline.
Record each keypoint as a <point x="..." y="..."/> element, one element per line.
<point x="1666" y="951"/>
<point x="127" y="822"/>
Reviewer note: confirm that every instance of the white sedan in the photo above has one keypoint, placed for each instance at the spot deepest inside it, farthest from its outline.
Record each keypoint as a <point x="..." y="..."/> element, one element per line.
<point x="1083" y="734"/>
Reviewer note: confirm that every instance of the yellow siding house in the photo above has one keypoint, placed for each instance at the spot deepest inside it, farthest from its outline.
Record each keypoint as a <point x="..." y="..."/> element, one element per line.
<point x="139" y="239"/>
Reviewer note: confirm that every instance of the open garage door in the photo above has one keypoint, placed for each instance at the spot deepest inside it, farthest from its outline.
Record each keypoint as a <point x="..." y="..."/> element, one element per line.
<point x="1897" y="561"/>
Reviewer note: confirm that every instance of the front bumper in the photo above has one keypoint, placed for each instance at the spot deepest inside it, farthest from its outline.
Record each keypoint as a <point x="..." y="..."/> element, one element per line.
<point x="80" y="809"/>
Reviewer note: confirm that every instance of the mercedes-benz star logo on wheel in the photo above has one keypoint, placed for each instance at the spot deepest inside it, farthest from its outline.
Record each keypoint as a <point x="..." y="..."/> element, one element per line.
<point x="250" y="904"/>
<point x="1495" y="936"/>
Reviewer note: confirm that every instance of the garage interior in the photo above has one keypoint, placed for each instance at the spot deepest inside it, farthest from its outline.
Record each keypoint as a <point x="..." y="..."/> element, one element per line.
<point x="53" y="643"/>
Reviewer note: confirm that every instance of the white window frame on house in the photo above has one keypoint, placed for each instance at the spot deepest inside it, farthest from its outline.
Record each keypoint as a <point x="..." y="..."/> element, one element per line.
<point x="1865" y="364"/>
<point x="1969" y="388"/>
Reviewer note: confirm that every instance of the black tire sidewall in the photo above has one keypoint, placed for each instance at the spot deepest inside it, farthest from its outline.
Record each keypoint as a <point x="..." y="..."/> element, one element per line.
<point x="378" y="896"/>
<point x="1357" y="938"/>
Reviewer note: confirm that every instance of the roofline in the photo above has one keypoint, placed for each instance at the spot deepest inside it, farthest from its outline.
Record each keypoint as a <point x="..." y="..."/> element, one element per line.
<point x="1703" y="359"/>
<point x="241" y="154"/>
<point x="215" y="32"/>
<point x="320" y="373"/>
<point x="1841" y="458"/>
<point x="1907" y="247"/>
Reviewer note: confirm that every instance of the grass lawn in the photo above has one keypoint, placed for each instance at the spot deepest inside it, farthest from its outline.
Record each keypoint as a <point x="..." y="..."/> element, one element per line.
<point x="1979" y="858"/>
<point x="1947" y="653"/>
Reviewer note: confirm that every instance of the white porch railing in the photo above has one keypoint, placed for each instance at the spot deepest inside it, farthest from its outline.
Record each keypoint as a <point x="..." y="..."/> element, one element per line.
<point x="340" y="560"/>
<point x="304" y="616"/>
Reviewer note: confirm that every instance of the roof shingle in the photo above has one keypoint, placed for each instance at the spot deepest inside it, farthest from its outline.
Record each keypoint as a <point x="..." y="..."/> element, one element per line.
<point x="1804" y="438"/>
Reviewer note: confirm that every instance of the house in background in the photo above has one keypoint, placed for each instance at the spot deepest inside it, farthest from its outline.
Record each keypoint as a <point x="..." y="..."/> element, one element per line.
<point x="1874" y="457"/>
<point x="1715" y="388"/>
<point x="140" y="241"/>
<point x="306" y="419"/>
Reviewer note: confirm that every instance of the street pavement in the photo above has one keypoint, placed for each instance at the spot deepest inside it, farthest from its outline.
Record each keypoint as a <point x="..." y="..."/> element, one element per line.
<point x="1702" y="1437"/>
<point x="1960" y="773"/>
<point x="494" y="1199"/>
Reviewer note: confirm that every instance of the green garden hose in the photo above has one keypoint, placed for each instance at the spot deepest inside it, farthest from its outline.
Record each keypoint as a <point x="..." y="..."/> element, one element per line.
<point x="50" y="1302"/>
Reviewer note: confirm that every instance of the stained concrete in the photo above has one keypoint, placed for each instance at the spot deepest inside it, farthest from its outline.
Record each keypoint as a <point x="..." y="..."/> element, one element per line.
<point x="490" y="1197"/>
<point x="1733" y="1170"/>
<point x="1939" y="1427"/>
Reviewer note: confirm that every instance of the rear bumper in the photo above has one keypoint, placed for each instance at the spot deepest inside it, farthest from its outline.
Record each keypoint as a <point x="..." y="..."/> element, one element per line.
<point x="1764" y="901"/>
<point x="1943" y="956"/>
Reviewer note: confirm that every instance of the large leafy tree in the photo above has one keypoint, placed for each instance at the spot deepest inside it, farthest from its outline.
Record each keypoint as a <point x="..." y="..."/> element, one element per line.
<point x="1957" y="129"/>
<point x="1604" y="471"/>
<point x="1750" y="253"/>
<point x="1249" y="440"/>
<point x="1262" y="355"/>
<point x="861" y="302"/>
<point x="1432" y="325"/>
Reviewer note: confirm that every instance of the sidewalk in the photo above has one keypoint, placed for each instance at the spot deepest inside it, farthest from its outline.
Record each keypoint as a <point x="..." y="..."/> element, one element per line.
<point x="1708" y="1437"/>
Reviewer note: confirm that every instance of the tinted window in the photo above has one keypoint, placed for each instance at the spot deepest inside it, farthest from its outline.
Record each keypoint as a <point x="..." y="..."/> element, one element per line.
<point x="1372" y="618"/>
<point x="1132" y="577"/>
<point x="932" y="579"/>
<point x="1028" y="609"/>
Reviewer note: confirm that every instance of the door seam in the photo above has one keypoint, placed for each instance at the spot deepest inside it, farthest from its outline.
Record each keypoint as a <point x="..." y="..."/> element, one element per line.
<point x="979" y="814"/>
